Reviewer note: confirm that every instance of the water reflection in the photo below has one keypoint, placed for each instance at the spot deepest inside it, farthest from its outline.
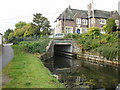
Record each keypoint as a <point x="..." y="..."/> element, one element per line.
<point x="62" y="61"/>
<point x="82" y="73"/>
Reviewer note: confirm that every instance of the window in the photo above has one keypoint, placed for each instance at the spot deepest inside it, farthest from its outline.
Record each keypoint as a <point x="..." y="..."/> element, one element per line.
<point x="117" y="22"/>
<point x="78" y="21"/>
<point x="102" y="21"/>
<point x="69" y="29"/>
<point x="84" y="22"/>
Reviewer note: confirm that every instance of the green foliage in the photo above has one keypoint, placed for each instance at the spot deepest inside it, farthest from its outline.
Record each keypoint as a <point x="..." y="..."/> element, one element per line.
<point x="6" y="34"/>
<point x="91" y="44"/>
<point x="94" y="31"/>
<point x="19" y="25"/>
<point x="105" y="44"/>
<point x="11" y="37"/>
<point x="31" y="30"/>
<point x="42" y="23"/>
<point x="108" y="51"/>
<point x="22" y="29"/>
<point x="110" y="26"/>
<point x="19" y="32"/>
<point x="37" y="46"/>
<point x="69" y="35"/>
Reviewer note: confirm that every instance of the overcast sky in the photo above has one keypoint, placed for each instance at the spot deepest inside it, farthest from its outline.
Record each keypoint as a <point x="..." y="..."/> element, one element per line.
<point x="13" y="11"/>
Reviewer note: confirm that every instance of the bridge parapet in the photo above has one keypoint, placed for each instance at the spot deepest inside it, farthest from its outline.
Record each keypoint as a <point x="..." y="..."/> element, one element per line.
<point x="62" y="41"/>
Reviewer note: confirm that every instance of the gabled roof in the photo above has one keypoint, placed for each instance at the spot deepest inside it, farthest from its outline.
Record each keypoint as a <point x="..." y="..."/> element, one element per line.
<point x="70" y="13"/>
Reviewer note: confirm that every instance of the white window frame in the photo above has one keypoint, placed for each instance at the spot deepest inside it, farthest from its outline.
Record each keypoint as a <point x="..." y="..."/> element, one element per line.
<point x="84" y="21"/>
<point x="78" y="20"/>
<point x="102" y="21"/>
<point x="68" y="29"/>
<point x="117" y="22"/>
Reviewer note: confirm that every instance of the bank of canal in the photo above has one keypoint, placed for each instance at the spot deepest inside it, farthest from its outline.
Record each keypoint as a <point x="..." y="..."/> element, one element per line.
<point x="28" y="71"/>
<point x="76" y="73"/>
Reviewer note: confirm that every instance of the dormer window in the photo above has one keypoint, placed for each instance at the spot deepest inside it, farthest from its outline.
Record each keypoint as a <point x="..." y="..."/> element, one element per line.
<point x="78" y="20"/>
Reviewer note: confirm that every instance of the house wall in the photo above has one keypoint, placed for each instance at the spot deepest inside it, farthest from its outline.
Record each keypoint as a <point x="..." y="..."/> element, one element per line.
<point x="62" y="24"/>
<point x="70" y="23"/>
<point x="116" y="16"/>
<point x="81" y="26"/>
<point x="58" y="27"/>
<point x="98" y="23"/>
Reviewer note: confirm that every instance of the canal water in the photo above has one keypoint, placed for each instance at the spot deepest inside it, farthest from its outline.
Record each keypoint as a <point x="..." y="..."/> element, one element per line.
<point x="83" y="73"/>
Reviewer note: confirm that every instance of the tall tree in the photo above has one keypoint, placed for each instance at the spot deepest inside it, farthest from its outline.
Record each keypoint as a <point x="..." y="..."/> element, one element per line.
<point x="42" y="23"/>
<point x="19" y="25"/>
<point x="110" y="26"/>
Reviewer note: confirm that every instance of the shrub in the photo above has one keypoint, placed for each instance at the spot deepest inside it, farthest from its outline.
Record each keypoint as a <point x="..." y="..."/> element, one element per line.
<point x="94" y="31"/>
<point x="37" y="46"/>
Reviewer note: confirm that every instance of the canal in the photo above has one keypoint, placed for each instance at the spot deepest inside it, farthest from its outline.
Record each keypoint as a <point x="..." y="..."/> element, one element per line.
<point x="83" y="73"/>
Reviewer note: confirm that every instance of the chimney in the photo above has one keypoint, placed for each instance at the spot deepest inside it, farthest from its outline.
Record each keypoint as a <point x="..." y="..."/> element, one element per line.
<point x="69" y="7"/>
<point x="89" y="9"/>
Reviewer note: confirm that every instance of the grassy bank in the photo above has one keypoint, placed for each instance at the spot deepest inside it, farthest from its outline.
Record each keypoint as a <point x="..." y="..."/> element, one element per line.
<point x="27" y="71"/>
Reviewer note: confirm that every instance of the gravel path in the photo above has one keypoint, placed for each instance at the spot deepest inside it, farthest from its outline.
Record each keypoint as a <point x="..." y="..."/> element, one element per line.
<point x="6" y="57"/>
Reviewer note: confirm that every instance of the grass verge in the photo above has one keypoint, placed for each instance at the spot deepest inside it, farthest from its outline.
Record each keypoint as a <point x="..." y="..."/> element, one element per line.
<point x="27" y="71"/>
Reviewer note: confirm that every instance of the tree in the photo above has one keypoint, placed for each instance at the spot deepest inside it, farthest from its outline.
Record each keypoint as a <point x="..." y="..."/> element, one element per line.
<point x="31" y="30"/>
<point x="42" y="23"/>
<point x="19" y="25"/>
<point x="110" y="26"/>
<point x="19" y="32"/>
<point x="11" y="37"/>
<point x="6" y="34"/>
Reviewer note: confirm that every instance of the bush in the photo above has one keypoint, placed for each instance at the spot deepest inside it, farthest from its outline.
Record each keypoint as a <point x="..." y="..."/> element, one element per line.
<point x="37" y="46"/>
<point x="69" y="35"/>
